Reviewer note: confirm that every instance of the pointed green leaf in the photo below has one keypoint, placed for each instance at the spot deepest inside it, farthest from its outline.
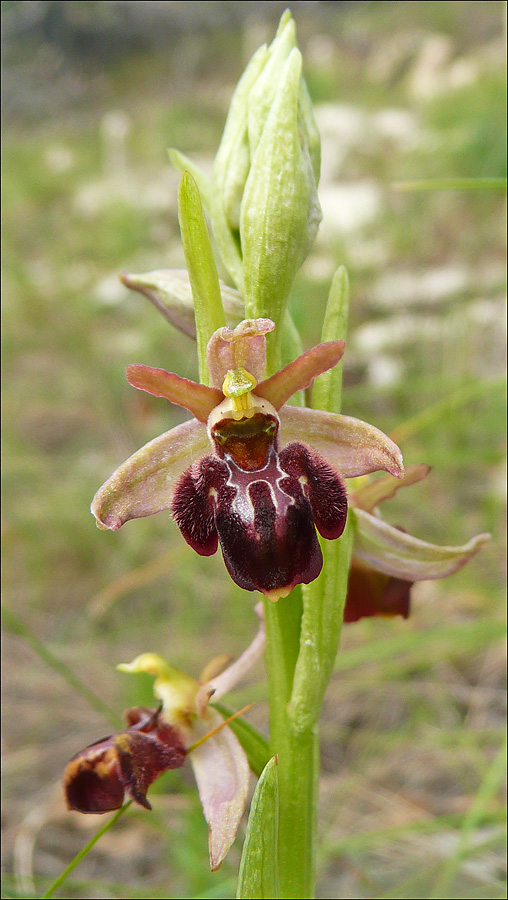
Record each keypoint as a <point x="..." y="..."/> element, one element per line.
<point x="226" y="175"/>
<point x="323" y="608"/>
<point x="327" y="389"/>
<point x="258" y="876"/>
<point x="265" y="87"/>
<point x="324" y="599"/>
<point x="280" y="209"/>
<point x="203" y="277"/>
<point x="203" y="181"/>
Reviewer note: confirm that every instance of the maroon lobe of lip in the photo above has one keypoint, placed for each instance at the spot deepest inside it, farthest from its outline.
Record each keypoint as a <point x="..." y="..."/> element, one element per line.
<point x="261" y="504"/>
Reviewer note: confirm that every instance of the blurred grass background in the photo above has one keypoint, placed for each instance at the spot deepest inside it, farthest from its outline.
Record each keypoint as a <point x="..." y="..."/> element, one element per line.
<point x="94" y="94"/>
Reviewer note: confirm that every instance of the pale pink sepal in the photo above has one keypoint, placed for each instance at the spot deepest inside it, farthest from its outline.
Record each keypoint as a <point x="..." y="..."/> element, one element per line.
<point x="384" y="488"/>
<point x="222" y="775"/>
<point x="145" y="483"/>
<point x="197" y="398"/>
<point x="297" y="375"/>
<point x="243" y="346"/>
<point x="351" y="446"/>
<point x="400" y="555"/>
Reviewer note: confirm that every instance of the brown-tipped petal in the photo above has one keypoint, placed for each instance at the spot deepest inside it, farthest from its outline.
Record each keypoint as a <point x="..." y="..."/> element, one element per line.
<point x="146" y="482"/>
<point x="240" y="347"/>
<point x="197" y="398"/>
<point x="396" y="553"/>
<point x="386" y="487"/>
<point x="371" y="593"/>
<point x="297" y="375"/>
<point x="222" y="774"/>
<point x="350" y="446"/>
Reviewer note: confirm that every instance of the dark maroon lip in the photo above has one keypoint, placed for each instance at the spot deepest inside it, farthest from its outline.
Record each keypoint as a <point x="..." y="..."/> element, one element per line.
<point x="264" y="508"/>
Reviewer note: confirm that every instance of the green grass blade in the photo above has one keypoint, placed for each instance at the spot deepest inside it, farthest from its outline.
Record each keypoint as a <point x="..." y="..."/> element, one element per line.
<point x="488" y="788"/>
<point x="16" y="626"/>
<point x="437" y="411"/>
<point x="327" y="388"/>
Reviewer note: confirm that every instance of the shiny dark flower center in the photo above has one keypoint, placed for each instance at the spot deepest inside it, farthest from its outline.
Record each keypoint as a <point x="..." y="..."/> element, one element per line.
<point x="246" y="441"/>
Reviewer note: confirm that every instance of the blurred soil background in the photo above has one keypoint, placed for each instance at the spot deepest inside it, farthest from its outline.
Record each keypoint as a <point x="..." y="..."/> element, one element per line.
<point x="94" y="94"/>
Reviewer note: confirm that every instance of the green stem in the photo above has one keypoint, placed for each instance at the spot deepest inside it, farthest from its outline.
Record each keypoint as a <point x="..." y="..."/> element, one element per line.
<point x="297" y="752"/>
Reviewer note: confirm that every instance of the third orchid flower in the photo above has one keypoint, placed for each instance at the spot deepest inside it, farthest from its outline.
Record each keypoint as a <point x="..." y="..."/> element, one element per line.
<point x="248" y="471"/>
<point x="124" y="765"/>
<point x="386" y="560"/>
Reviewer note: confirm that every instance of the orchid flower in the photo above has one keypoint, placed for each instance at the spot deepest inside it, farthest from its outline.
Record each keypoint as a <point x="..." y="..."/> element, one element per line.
<point x="386" y="560"/>
<point x="247" y="470"/>
<point x="97" y="779"/>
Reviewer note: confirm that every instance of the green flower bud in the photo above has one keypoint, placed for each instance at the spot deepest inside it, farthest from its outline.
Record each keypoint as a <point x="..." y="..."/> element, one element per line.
<point x="280" y="211"/>
<point x="264" y="209"/>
